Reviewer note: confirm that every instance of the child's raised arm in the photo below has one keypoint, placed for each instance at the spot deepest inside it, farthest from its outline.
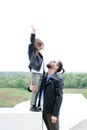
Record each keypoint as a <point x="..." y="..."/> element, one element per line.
<point x="33" y="29"/>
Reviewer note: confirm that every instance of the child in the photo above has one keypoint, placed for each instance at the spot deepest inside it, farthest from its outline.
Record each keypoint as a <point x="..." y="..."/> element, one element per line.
<point x="36" y="66"/>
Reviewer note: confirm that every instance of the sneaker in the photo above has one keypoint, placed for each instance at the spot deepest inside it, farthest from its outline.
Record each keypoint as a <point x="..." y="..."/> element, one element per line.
<point x="35" y="109"/>
<point x="38" y="109"/>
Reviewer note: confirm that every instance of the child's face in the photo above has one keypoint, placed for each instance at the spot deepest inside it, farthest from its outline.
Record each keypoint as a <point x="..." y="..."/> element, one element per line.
<point x="39" y="48"/>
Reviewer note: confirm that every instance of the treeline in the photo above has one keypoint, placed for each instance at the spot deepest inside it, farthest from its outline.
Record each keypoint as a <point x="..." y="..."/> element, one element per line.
<point x="75" y="80"/>
<point x="23" y="79"/>
<point x="14" y="79"/>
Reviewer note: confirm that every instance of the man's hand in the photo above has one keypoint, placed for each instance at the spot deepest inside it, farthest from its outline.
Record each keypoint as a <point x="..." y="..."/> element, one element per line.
<point x="33" y="88"/>
<point x="54" y="119"/>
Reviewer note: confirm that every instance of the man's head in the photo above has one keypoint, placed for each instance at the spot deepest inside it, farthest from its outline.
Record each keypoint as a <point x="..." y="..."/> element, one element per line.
<point x="56" y="66"/>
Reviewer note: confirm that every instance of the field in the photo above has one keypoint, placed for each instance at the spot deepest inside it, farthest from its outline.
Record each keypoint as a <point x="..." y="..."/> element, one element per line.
<point x="9" y="97"/>
<point x="76" y="91"/>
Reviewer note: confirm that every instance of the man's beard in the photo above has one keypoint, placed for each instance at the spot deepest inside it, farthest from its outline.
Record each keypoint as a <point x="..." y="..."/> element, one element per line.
<point x="49" y="66"/>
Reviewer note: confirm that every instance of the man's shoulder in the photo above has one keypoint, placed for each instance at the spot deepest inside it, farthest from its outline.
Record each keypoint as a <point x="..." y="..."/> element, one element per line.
<point x="57" y="77"/>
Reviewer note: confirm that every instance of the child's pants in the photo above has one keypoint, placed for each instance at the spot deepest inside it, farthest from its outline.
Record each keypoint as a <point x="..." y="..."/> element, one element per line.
<point x="36" y="80"/>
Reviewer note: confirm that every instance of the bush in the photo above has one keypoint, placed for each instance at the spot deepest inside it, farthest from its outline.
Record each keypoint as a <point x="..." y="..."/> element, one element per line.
<point x="75" y="80"/>
<point x="14" y="79"/>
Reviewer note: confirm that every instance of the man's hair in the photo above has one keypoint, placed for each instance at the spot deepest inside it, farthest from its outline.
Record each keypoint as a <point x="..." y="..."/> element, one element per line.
<point x="60" y="68"/>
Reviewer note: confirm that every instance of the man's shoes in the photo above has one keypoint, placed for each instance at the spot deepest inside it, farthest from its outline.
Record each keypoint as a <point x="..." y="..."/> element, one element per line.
<point x="35" y="109"/>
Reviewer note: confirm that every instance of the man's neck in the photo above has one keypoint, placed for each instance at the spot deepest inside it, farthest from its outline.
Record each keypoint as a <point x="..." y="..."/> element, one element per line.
<point x="50" y="72"/>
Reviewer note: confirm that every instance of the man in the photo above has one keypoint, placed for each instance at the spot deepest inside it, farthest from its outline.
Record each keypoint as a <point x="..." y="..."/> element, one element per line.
<point x="51" y="95"/>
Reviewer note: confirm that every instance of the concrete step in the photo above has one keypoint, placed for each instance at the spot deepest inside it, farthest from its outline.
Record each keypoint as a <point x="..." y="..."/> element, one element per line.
<point x="11" y="119"/>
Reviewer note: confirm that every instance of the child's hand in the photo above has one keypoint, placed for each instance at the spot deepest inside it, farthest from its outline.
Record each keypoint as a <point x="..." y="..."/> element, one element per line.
<point x="33" y="28"/>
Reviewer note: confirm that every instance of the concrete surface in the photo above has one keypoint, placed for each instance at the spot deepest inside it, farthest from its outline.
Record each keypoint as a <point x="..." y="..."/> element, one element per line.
<point x="73" y="112"/>
<point x="81" y="125"/>
<point x="19" y="119"/>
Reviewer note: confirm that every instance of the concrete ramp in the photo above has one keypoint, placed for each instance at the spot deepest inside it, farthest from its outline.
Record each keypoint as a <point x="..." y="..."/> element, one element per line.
<point x="80" y="126"/>
<point x="73" y="112"/>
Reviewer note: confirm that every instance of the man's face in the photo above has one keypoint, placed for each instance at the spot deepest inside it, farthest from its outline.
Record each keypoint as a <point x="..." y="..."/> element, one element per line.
<point x="53" y="65"/>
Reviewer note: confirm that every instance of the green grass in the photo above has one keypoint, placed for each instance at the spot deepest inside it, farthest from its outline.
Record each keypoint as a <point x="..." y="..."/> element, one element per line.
<point x="76" y="91"/>
<point x="9" y="97"/>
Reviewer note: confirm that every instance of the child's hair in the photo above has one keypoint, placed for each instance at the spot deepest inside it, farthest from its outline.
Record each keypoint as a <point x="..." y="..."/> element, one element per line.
<point x="38" y="43"/>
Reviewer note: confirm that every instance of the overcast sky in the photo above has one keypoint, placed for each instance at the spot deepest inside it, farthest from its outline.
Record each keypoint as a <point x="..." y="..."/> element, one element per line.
<point x="61" y="25"/>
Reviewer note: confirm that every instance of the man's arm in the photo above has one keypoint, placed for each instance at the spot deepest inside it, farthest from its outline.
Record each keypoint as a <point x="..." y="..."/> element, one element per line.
<point x="58" y="96"/>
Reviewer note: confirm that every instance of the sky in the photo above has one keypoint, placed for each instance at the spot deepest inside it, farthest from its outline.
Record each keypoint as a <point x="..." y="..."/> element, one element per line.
<point x="61" y="25"/>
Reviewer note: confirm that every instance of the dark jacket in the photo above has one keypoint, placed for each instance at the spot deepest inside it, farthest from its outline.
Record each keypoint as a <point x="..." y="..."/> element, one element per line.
<point x="53" y="94"/>
<point x="35" y="62"/>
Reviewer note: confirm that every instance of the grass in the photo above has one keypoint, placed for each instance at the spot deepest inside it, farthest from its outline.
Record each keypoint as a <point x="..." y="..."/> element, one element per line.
<point x="9" y="97"/>
<point x="76" y="91"/>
